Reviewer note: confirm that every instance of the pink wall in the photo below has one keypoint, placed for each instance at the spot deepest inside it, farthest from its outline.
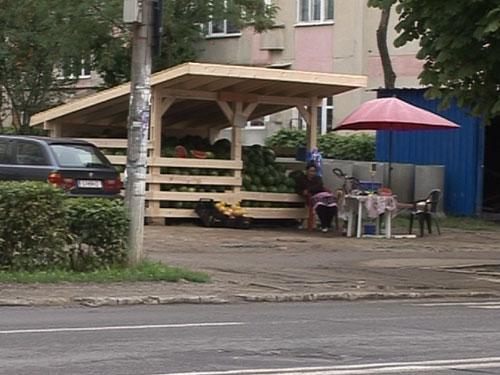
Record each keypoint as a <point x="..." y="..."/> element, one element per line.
<point x="314" y="48"/>
<point x="259" y="57"/>
<point x="404" y="66"/>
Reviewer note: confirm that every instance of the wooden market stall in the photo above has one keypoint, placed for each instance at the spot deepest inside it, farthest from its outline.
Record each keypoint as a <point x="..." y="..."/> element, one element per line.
<point x="200" y="99"/>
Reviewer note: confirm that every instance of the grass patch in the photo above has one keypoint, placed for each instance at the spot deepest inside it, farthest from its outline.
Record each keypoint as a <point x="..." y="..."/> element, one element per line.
<point x="146" y="271"/>
<point x="450" y="221"/>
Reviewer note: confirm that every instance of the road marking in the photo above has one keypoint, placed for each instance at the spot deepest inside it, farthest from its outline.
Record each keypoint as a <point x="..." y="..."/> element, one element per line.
<point x="366" y="369"/>
<point x="116" y="328"/>
<point x="472" y="305"/>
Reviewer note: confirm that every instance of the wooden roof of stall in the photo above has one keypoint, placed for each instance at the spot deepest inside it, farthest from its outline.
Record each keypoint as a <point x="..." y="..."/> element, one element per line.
<point x="197" y="87"/>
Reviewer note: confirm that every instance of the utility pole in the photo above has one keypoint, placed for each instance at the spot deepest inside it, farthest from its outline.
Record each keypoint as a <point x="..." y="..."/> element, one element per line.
<point x="140" y="16"/>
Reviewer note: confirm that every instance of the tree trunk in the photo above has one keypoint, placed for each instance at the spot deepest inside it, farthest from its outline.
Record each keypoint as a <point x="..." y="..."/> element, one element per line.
<point x="389" y="75"/>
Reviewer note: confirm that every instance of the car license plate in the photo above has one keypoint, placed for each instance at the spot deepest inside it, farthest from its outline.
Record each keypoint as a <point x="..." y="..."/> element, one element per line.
<point x="90" y="184"/>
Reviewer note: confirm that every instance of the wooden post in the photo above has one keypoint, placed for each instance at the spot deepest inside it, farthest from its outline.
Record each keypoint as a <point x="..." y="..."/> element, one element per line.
<point x="156" y="115"/>
<point x="312" y="127"/>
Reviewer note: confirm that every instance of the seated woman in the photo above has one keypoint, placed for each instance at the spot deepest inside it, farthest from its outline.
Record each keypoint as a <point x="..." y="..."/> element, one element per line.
<point x="321" y="199"/>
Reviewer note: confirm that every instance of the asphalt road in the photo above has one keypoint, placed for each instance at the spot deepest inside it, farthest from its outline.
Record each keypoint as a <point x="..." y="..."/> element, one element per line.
<point x="330" y="338"/>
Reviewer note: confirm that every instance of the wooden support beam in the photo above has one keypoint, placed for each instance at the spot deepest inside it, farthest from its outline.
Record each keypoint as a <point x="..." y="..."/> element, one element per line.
<point x="235" y="96"/>
<point x="238" y="97"/>
<point x="227" y="110"/>
<point x="249" y="109"/>
<point x="312" y="126"/>
<point x="166" y="103"/>
<point x="305" y="114"/>
<point x="158" y="108"/>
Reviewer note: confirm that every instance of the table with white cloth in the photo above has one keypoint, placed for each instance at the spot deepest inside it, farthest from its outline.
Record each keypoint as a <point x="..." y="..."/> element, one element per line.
<point x="372" y="206"/>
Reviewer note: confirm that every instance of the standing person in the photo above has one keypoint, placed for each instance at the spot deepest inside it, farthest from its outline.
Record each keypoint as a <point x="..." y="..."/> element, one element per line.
<point x="321" y="199"/>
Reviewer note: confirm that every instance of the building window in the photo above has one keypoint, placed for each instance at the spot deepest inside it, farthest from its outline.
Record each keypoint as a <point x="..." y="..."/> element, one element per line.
<point x="325" y="117"/>
<point x="220" y="27"/>
<point x="315" y="11"/>
<point x="83" y="71"/>
<point x="258" y="123"/>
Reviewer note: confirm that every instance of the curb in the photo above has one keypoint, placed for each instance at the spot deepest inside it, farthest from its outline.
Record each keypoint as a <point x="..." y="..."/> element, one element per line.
<point x="190" y="299"/>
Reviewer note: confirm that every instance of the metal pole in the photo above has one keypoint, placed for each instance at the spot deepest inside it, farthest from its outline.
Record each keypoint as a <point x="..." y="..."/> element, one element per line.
<point x="138" y="129"/>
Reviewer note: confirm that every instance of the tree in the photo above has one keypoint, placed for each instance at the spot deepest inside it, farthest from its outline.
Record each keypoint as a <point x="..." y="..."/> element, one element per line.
<point x="460" y="44"/>
<point x="183" y="21"/>
<point x="385" y="6"/>
<point x="44" y="43"/>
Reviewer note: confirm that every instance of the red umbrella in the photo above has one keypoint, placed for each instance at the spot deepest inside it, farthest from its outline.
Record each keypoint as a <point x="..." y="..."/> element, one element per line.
<point x="393" y="114"/>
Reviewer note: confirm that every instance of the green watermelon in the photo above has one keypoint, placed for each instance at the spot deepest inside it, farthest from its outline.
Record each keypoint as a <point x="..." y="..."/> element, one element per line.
<point x="256" y="180"/>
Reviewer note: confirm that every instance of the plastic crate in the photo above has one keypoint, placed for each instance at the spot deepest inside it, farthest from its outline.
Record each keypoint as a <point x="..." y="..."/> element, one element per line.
<point x="241" y="222"/>
<point x="369" y="186"/>
<point x="209" y="215"/>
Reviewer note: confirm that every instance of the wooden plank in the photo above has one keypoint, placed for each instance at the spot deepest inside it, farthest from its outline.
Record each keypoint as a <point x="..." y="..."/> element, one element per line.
<point x="117" y="159"/>
<point x="172" y="213"/>
<point x="195" y="163"/>
<point x="277" y="213"/>
<point x="190" y="94"/>
<point x="110" y="142"/>
<point x="270" y="197"/>
<point x="237" y="97"/>
<point x="178" y="196"/>
<point x="256" y="213"/>
<point x="193" y="180"/>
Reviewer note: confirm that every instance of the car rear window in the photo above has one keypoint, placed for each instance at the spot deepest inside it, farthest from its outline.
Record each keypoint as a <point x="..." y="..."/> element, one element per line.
<point x="80" y="156"/>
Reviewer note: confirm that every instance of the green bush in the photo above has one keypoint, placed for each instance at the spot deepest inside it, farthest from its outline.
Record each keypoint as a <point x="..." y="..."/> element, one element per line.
<point x="98" y="228"/>
<point x="332" y="145"/>
<point x="41" y="228"/>
<point x="33" y="231"/>
<point x="353" y="147"/>
<point x="287" y="138"/>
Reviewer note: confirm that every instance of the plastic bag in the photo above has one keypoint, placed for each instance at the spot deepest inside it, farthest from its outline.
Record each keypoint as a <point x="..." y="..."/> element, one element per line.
<point x="314" y="156"/>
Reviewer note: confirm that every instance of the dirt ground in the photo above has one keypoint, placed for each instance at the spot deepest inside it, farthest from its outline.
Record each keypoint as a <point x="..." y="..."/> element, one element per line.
<point x="264" y="263"/>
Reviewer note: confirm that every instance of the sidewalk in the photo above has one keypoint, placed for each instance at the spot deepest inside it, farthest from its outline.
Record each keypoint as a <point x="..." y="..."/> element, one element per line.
<point x="287" y="264"/>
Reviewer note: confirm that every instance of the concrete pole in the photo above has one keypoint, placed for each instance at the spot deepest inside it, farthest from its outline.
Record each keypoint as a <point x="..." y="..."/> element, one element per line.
<point x="138" y="129"/>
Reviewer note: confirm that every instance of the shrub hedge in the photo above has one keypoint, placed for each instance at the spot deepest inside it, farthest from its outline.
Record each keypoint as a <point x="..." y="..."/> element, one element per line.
<point x="41" y="228"/>
<point x="359" y="147"/>
<point x="33" y="232"/>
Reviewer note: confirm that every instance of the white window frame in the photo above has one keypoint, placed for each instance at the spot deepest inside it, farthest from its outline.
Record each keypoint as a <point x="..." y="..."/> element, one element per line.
<point x="322" y="125"/>
<point x="85" y="73"/>
<point x="266" y="121"/>
<point x="310" y="18"/>
<point x="224" y="33"/>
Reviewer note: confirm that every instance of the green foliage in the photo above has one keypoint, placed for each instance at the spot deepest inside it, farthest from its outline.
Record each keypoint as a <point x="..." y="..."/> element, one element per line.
<point x="42" y="38"/>
<point x="332" y="145"/>
<point x="460" y="44"/>
<point x="146" y="271"/>
<point x="98" y="229"/>
<point x="287" y="138"/>
<point x="354" y="147"/>
<point x="32" y="228"/>
<point x="41" y="228"/>
<point x="39" y="38"/>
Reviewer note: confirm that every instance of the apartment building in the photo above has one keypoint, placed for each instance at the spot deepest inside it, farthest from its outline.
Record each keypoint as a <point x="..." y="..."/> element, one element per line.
<point x="337" y="36"/>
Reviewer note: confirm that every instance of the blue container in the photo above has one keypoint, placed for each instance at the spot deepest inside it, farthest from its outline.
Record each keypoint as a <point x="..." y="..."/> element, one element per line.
<point x="369" y="229"/>
<point x="301" y="154"/>
<point x="370" y="186"/>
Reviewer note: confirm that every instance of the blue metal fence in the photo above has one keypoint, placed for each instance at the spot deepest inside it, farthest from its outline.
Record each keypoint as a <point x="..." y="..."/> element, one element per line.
<point x="460" y="151"/>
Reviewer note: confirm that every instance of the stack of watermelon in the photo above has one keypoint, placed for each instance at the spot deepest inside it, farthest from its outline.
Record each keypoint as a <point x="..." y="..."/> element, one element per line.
<point x="262" y="173"/>
<point x="194" y="146"/>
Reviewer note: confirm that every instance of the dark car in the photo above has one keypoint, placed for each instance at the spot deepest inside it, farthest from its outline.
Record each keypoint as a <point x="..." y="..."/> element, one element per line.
<point x="76" y="166"/>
